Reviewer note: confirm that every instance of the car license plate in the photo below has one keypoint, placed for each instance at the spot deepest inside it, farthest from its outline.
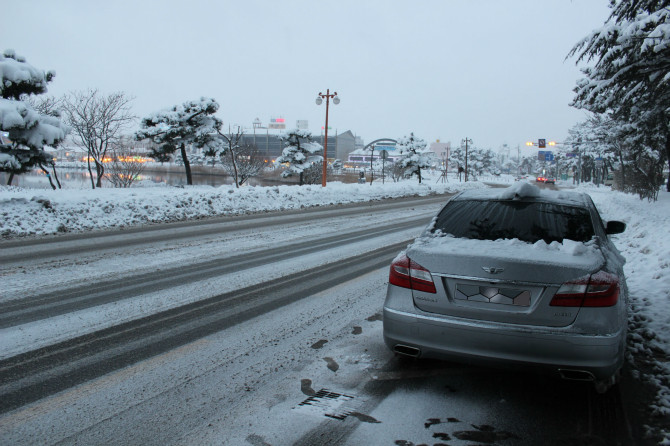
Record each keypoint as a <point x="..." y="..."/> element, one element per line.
<point x="493" y="295"/>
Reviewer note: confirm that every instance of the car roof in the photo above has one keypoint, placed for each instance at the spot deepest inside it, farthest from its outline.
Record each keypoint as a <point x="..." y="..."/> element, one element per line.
<point x="525" y="192"/>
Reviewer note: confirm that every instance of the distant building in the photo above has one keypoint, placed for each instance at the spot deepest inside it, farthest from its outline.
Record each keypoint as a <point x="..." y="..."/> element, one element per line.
<point x="441" y="149"/>
<point x="361" y="157"/>
<point x="271" y="146"/>
<point x="67" y="153"/>
<point x="339" y="146"/>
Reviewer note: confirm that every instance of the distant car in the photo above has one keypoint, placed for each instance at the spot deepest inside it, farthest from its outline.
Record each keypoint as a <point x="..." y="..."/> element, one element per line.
<point x="522" y="276"/>
<point x="540" y="179"/>
<point x="550" y="180"/>
<point x="609" y="180"/>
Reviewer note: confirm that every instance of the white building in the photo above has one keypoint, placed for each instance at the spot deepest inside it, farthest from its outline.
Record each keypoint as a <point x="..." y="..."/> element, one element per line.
<point x="441" y="149"/>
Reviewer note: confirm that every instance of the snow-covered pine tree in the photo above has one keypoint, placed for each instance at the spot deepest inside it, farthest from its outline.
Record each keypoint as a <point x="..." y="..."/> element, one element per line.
<point x="629" y="78"/>
<point x="191" y="124"/>
<point x="28" y="130"/>
<point x="415" y="155"/>
<point x="300" y="152"/>
<point x="479" y="162"/>
<point x="601" y="135"/>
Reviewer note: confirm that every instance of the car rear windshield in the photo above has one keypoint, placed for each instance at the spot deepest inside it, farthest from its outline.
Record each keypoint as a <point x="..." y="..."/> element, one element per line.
<point x="527" y="221"/>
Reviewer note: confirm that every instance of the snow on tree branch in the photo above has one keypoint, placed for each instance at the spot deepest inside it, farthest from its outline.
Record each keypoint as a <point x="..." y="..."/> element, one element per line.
<point x="28" y="130"/>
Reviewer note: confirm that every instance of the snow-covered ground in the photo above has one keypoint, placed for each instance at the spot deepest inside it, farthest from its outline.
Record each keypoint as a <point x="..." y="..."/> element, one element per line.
<point x="40" y="212"/>
<point x="645" y="243"/>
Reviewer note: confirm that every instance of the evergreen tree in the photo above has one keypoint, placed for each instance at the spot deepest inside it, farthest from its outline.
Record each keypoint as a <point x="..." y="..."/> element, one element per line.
<point x="629" y="78"/>
<point x="49" y="106"/>
<point x="415" y="155"/>
<point x="28" y="130"/>
<point x="482" y="160"/>
<point x="300" y="152"/>
<point x="602" y="136"/>
<point x="191" y="124"/>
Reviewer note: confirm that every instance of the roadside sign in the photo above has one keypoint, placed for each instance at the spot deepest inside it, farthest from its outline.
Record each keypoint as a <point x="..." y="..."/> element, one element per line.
<point x="542" y="143"/>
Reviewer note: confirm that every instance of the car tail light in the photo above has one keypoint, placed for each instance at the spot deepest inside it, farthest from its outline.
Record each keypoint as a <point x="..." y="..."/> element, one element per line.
<point x="407" y="273"/>
<point x="597" y="290"/>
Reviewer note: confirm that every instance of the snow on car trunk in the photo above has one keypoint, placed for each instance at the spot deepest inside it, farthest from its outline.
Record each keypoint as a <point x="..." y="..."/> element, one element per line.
<point x="514" y="280"/>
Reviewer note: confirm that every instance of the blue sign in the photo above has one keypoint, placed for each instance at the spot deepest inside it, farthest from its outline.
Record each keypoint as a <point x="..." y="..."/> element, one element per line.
<point x="387" y="148"/>
<point x="545" y="156"/>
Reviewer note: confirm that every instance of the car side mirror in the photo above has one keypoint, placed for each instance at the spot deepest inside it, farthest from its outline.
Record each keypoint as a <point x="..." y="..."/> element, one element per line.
<point x="615" y="227"/>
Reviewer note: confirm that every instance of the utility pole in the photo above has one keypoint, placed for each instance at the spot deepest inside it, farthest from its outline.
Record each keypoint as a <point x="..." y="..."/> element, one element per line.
<point x="466" y="141"/>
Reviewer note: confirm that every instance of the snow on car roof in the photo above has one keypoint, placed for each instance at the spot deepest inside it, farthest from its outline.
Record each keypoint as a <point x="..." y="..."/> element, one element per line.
<point x="524" y="191"/>
<point x="576" y="254"/>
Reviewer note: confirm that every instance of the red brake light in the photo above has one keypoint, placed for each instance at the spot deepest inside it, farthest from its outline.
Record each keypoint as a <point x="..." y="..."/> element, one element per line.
<point x="407" y="273"/>
<point x="598" y="290"/>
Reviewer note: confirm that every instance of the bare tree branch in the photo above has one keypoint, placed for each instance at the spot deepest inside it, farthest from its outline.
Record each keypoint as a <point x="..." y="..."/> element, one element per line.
<point x="125" y="168"/>
<point x="97" y="123"/>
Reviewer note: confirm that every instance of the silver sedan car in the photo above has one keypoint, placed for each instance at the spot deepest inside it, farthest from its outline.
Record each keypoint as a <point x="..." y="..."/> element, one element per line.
<point x="516" y="276"/>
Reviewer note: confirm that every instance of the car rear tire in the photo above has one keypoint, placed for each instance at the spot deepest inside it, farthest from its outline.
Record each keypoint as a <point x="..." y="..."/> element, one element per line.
<point x="602" y="386"/>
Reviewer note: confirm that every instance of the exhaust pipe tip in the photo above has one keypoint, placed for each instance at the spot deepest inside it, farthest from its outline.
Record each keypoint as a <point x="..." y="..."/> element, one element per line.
<point x="406" y="350"/>
<point x="576" y="375"/>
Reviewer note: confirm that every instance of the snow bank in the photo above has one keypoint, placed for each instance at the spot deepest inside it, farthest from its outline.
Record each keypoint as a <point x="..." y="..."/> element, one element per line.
<point x="41" y="212"/>
<point x="646" y="246"/>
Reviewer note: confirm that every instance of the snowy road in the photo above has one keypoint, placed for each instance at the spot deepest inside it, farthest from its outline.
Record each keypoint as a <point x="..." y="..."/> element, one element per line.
<point x="249" y="336"/>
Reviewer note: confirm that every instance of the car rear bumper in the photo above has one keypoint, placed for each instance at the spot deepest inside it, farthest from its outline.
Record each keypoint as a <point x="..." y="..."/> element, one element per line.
<point x="570" y="354"/>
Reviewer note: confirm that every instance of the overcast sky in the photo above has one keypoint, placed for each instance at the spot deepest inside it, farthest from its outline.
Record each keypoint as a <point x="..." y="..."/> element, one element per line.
<point x="490" y="70"/>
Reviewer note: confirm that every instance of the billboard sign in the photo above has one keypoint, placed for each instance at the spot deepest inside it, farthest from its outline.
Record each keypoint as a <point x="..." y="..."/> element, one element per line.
<point x="277" y="123"/>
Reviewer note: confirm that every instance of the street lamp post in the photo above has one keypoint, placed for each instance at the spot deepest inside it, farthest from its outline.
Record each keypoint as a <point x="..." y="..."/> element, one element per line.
<point x="256" y="124"/>
<point x="319" y="101"/>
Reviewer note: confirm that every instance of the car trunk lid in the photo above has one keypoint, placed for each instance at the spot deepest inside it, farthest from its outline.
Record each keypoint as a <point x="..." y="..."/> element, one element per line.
<point x="506" y="281"/>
